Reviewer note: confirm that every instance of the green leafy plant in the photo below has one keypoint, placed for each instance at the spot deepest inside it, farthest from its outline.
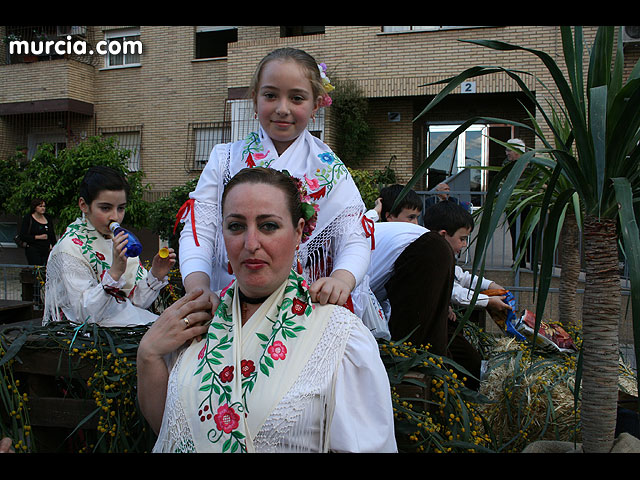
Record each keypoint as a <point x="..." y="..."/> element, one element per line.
<point x="162" y="213"/>
<point x="598" y="161"/>
<point x="56" y="179"/>
<point x="354" y="135"/>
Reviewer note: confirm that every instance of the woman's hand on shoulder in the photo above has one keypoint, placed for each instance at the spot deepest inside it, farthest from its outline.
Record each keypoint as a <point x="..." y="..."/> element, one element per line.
<point x="186" y="319"/>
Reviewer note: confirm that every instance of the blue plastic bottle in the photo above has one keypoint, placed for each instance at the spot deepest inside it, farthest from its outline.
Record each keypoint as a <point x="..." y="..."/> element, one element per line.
<point x="134" y="247"/>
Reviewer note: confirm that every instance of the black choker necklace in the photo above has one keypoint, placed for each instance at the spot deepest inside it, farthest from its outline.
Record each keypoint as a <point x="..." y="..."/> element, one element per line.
<point x="252" y="300"/>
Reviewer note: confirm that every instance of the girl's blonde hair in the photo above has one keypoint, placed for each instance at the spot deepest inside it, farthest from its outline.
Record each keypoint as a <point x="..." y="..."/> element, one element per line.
<point x="290" y="54"/>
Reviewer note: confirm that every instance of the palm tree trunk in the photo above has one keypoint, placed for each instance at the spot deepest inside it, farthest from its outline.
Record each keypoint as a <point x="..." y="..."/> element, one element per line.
<point x="600" y="317"/>
<point x="570" y="273"/>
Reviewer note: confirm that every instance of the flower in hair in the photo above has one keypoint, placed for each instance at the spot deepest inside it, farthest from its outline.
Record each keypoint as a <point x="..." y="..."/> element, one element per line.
<point x="310" y="209"/>
<point x="326" y="83"/>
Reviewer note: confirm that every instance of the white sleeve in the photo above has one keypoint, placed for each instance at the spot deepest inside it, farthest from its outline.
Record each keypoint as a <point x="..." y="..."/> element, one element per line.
<point x="372" y="215"/>
<point x="147" y="290"/>
<point x="194" y="258"/>
<point x="355" y="255"/>
<point x="463" y="288"/>
<point x="363" y="417"/>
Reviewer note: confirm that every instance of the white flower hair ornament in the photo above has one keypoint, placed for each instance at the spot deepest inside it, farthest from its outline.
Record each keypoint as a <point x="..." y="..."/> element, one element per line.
<point x="326" y="83"/>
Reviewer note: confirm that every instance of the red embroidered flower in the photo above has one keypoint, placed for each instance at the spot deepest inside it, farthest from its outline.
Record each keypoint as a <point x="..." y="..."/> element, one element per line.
<point x="247" y="367"/>
<point x="77" y="241"/>
<point x="317" y="195"/>
<point x="298" y="306"/>
<point x="277" y="351"/>
<point x="226" y="419"/>
<point x="201" y="354"/>
<point x="250" y="162"/>
<point x="227" y="374"/>
<point x="204" y="413"/>
<point x="100" y="256"/>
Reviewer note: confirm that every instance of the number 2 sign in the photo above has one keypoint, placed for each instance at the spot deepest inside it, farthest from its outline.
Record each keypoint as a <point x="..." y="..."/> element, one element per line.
<point x="468" y="87"/>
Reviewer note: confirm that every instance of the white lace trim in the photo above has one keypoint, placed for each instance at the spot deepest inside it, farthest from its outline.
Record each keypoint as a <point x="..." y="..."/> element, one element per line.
<point x="59" y="266"/>
<point x="175" y="435"/>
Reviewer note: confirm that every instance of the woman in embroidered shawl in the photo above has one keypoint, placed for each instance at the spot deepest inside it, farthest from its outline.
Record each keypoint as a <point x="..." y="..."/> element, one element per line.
<point x="287" y="89"/>
<point x="273" y="371"/>
<point x="89" y="278"/>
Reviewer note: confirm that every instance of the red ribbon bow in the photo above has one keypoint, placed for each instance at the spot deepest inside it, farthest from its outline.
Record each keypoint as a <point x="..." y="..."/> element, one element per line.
<point x="182" y="213"/>
<point x="369" y="230"/>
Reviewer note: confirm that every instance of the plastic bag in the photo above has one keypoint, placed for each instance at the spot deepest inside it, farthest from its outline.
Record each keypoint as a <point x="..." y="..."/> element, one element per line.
<point x="508" y="321"/>
<point x="549" y="335"/>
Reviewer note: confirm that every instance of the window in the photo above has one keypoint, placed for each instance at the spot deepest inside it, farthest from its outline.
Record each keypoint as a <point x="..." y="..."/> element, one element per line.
<point x="396" y="29"/>
<point x="300" y="31"/>
<point x="34" y="140"/>
<point x="202" y="138"/>
<point x="124" y="48"/>
<point x="7" y="231"/>
<point x="470" y="150"/>
<point x="128" y="138"/>
<point x="212" y="42"/>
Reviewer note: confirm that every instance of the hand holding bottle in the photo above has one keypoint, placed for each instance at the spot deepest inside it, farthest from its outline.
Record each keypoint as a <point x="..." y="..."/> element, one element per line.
<point x="119" y="260"/>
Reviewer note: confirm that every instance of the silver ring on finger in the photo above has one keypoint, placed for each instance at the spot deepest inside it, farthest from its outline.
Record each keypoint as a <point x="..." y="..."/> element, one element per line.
<point x="186" y="321"/>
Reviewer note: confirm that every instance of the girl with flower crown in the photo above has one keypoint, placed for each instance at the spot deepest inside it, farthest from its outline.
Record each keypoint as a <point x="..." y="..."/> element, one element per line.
<point x="287" y="89"/>
<point x="273" y="371"/>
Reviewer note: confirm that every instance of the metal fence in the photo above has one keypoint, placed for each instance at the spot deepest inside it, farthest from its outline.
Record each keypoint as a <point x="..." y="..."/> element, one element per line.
<point x="22" y="282"/>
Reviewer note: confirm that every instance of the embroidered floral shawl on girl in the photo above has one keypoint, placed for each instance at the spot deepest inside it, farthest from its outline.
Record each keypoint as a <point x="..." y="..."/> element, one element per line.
<point x="79" y="289"/>
<point x="224" y="387"/>
<point x="326" y="179"/>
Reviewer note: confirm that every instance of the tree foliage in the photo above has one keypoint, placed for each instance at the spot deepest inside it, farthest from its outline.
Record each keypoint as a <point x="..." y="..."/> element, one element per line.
<point x="354" y="135"/>
<point x="56" y="179"/>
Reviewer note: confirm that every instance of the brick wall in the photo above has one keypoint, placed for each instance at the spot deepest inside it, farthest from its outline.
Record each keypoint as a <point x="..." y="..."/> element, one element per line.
<point x="171" y="89"/>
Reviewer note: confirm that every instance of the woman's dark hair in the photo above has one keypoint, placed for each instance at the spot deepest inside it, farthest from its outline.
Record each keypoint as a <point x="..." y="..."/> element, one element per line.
<point x="273" y="177"/>
<point x="35" y="203"/>
<point x="448" y="216"/>
<point x="389" y="194"/>
<point x="102" y="178"/>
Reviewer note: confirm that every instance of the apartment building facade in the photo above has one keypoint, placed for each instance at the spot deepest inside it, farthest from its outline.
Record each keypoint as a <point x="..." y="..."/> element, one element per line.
<point x="184" y="89"/>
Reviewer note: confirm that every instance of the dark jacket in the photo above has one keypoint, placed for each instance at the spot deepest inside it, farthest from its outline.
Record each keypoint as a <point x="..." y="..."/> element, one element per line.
<point x="30" y="228"/>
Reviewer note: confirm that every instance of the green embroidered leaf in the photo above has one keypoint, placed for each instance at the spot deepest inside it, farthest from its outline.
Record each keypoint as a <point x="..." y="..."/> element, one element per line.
<point x="234" y="447"/>
<point x="211" y="336"/>
<point x="268" y="361"/>
<point x="226" y="445"/>
<point x="205" y="388"/>
<point x="299" y="328"/>
<point x="207" y="376"/>
<point x="217" y="325"/>
<point x="216" y="389"/>
<point x="215" y="354"/>
<point x="224" y="347"/>
<point x="264" y="369"/>
<point x="262" y="337"/>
